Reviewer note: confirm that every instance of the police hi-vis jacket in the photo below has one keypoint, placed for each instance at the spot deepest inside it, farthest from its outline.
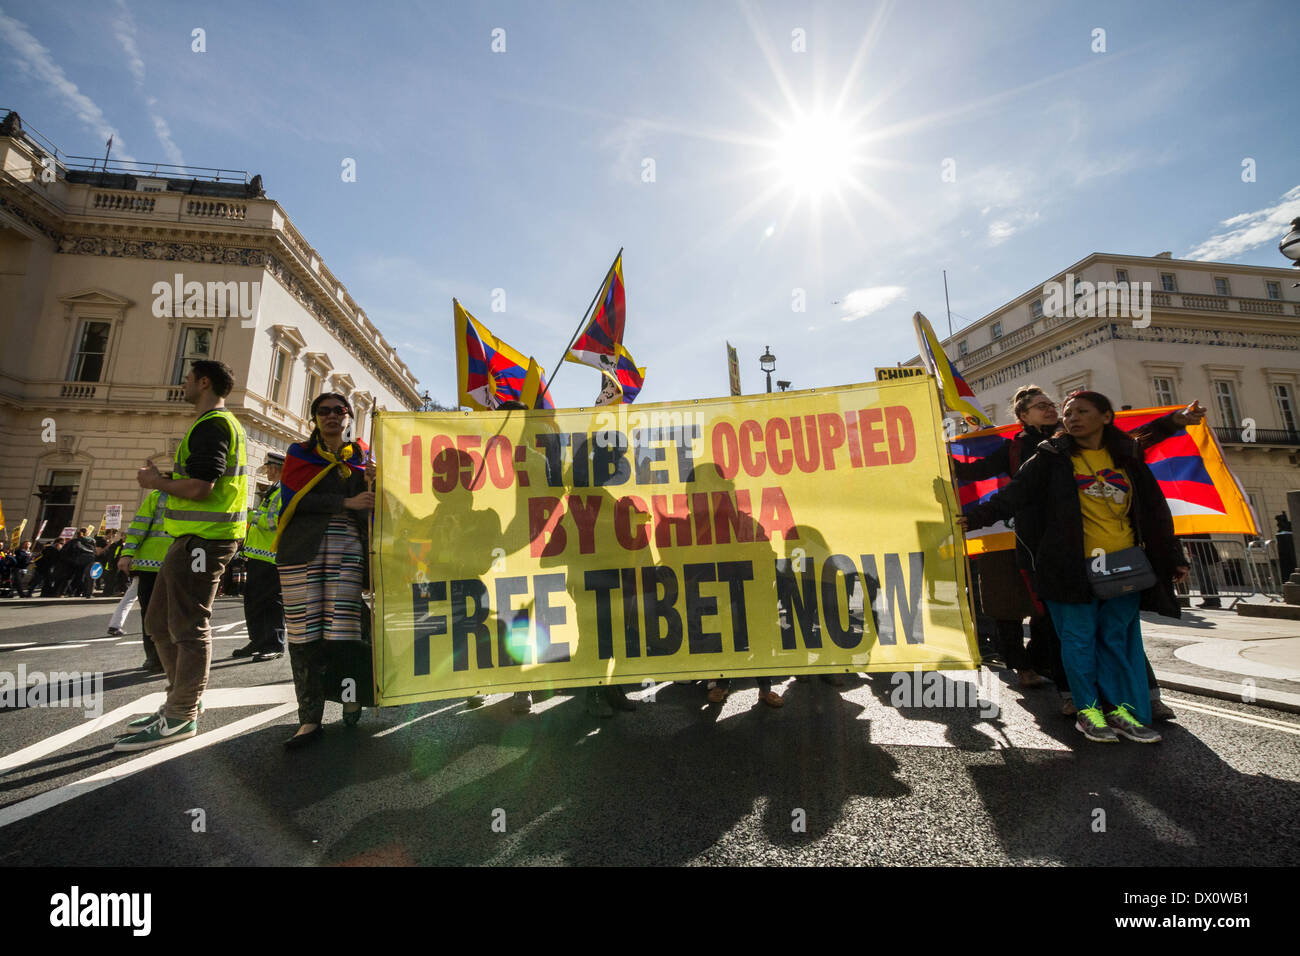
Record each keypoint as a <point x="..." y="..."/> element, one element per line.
<point x="145" y="542"/>
<point x="259" y="544"/>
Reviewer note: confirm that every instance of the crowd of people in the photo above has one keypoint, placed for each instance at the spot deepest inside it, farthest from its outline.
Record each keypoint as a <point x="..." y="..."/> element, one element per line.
<point x="64" y="567"/>
<point x="1094" y="546"/>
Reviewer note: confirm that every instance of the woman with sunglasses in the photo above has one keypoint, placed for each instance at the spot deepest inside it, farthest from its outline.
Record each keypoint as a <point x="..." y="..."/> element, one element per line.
<point x="322" y="553"/>
<point x="1087" y="494"/>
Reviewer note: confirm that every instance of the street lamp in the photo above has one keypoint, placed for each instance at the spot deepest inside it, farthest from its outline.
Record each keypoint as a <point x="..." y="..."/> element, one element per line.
<point x="782" y="384"/>
<point x="1290" y="245"/>
<point x="767" y="362"/>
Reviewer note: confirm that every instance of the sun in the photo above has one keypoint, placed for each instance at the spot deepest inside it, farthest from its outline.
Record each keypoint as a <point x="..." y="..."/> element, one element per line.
<point x="816" y="154"/>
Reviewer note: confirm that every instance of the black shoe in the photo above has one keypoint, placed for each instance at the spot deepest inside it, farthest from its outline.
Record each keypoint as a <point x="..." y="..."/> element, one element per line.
<point x="115" y="632"/>
<point x="248" y="650"/>
<point x="618" y="698"/>
<point x="268" y="655"/>
<point x="351" y="717"/>
<point x="298" y="741"/>
<point x="1212" y="603"/>
<point x="152" y="665"/>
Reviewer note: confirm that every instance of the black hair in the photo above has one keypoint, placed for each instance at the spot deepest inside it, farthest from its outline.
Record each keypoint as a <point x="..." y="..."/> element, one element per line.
<point x="315" y="429"/>
<point x="221" y="375"/>
<point x="1113" y="438"/>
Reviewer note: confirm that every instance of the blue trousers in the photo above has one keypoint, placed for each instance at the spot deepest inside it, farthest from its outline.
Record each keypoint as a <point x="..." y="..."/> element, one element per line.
<point x="1101" y="651"/>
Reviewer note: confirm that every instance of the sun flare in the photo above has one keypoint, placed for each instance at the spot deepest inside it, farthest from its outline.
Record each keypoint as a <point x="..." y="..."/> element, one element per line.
<point x="816" y="154"/>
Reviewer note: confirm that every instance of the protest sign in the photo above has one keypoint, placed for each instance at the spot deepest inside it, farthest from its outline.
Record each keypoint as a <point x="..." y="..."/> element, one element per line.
<point x="809" y="532"/>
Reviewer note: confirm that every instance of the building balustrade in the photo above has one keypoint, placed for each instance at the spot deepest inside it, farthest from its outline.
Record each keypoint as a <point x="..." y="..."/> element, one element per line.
<point x="1240" y="435"/>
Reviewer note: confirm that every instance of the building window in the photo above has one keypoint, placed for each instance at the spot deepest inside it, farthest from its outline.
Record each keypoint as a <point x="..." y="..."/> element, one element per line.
<point x="279" y="376"/>
<point x="1226" y="397"/>
<point x="997" y="330"/>
<point x="1036" y="308"/>
<point x="961" y="348"/>
<point x="1285" y="406"/>
<point x="1274" y="289"/>
<point x="309" y="396"/>
<point x="1121" y="275"/>
<point x="1221" y="286"/>
<point x="1167" y="282"/>
<point x="991" y="413"/>
<point x="196" y="344"/>
<point x="60" y="502"/>
<point x="92" y="352"/>
<point x="1164" y="389"/>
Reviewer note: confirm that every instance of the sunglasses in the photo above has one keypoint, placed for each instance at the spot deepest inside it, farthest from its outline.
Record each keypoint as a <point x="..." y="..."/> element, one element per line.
<point x="331" y="410"/>
<point x="1041" y="406"/>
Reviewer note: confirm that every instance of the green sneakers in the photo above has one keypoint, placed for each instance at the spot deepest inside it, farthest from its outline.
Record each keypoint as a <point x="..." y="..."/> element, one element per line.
<point x="1091" y="722"/>
<point x="1122" y="721"/>
<point x="141" y="722"/>
<point x="163" y="730"/>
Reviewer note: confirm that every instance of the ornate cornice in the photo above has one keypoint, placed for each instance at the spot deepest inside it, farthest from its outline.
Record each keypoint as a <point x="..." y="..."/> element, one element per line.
<point x="1099" y="335"/>
<point x="217" y="253"/>
<point x="28" y="218"/>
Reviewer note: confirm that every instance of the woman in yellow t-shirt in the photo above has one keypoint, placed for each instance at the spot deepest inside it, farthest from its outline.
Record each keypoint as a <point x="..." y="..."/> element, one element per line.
<point x="1089" y="491"/>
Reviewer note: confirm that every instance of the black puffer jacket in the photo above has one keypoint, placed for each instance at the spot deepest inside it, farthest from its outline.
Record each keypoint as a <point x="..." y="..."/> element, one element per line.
<point x="1045" y="494"/>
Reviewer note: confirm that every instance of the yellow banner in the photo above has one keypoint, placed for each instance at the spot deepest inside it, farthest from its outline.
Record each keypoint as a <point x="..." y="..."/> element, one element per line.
<point x="809" y="532"/>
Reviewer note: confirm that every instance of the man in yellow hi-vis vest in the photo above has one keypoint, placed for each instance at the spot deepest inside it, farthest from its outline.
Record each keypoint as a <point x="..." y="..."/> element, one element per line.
<point x="207" y="499"/>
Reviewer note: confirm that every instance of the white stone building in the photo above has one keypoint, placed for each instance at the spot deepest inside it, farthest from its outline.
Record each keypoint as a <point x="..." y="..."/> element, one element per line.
<point x="1226" y="334"/>
<point x="93" y="346"/>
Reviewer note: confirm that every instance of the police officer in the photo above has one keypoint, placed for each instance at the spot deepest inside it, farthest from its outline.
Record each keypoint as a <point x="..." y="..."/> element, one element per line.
<point x="207" y="495"/>
<point x="143" y="550"/>
<point x="263" y="605"/>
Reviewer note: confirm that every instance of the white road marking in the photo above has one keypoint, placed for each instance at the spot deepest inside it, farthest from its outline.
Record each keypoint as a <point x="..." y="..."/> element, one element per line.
<point x="26" y="644"/>
<point x="51" y="647"/>
<point x="148" y="704"/>
<point x="1269" y="722"/>
<point x="52" y="798"/>
<point x="393" y="730"/>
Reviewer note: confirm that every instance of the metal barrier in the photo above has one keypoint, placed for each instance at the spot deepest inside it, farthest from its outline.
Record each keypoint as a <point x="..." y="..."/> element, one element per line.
<point x="1266" y="567"/>
<point x="1233" y="568"/>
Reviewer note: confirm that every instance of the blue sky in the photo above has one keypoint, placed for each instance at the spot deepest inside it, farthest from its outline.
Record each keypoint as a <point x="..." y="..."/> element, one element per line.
<point x="524" y="170"/>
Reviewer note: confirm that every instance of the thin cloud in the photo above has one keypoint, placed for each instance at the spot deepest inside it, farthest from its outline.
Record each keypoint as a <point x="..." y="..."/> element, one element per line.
<point x="164" y="134"/>
<point x="33" y="58"/>
<point x="863" y="302"/>
<point x="1247" y="230"/>
<point x="124" y="31"/>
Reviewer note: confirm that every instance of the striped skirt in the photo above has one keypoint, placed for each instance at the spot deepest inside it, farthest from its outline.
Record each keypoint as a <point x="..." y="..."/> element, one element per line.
<point x="322" y="599"/>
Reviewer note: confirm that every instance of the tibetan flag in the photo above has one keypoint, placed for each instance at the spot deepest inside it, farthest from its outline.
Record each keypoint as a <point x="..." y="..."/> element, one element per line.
<point x="601" y="343"/>
<point x="955" y="394"/>
<point x="536" y="392"/>
<point x="624" y="384"/>
<point x="1204" y="496"/>
<point x="488" y="370"/>
<point x="598" y="344"/>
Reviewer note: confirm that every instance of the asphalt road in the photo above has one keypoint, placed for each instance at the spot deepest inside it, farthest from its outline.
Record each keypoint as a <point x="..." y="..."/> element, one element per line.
<point x="835" y="777"/>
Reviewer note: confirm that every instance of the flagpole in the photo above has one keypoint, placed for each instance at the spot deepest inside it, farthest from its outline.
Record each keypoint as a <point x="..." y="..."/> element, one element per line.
<point x="945" y="301"/>
<point x="582" y="324"/>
